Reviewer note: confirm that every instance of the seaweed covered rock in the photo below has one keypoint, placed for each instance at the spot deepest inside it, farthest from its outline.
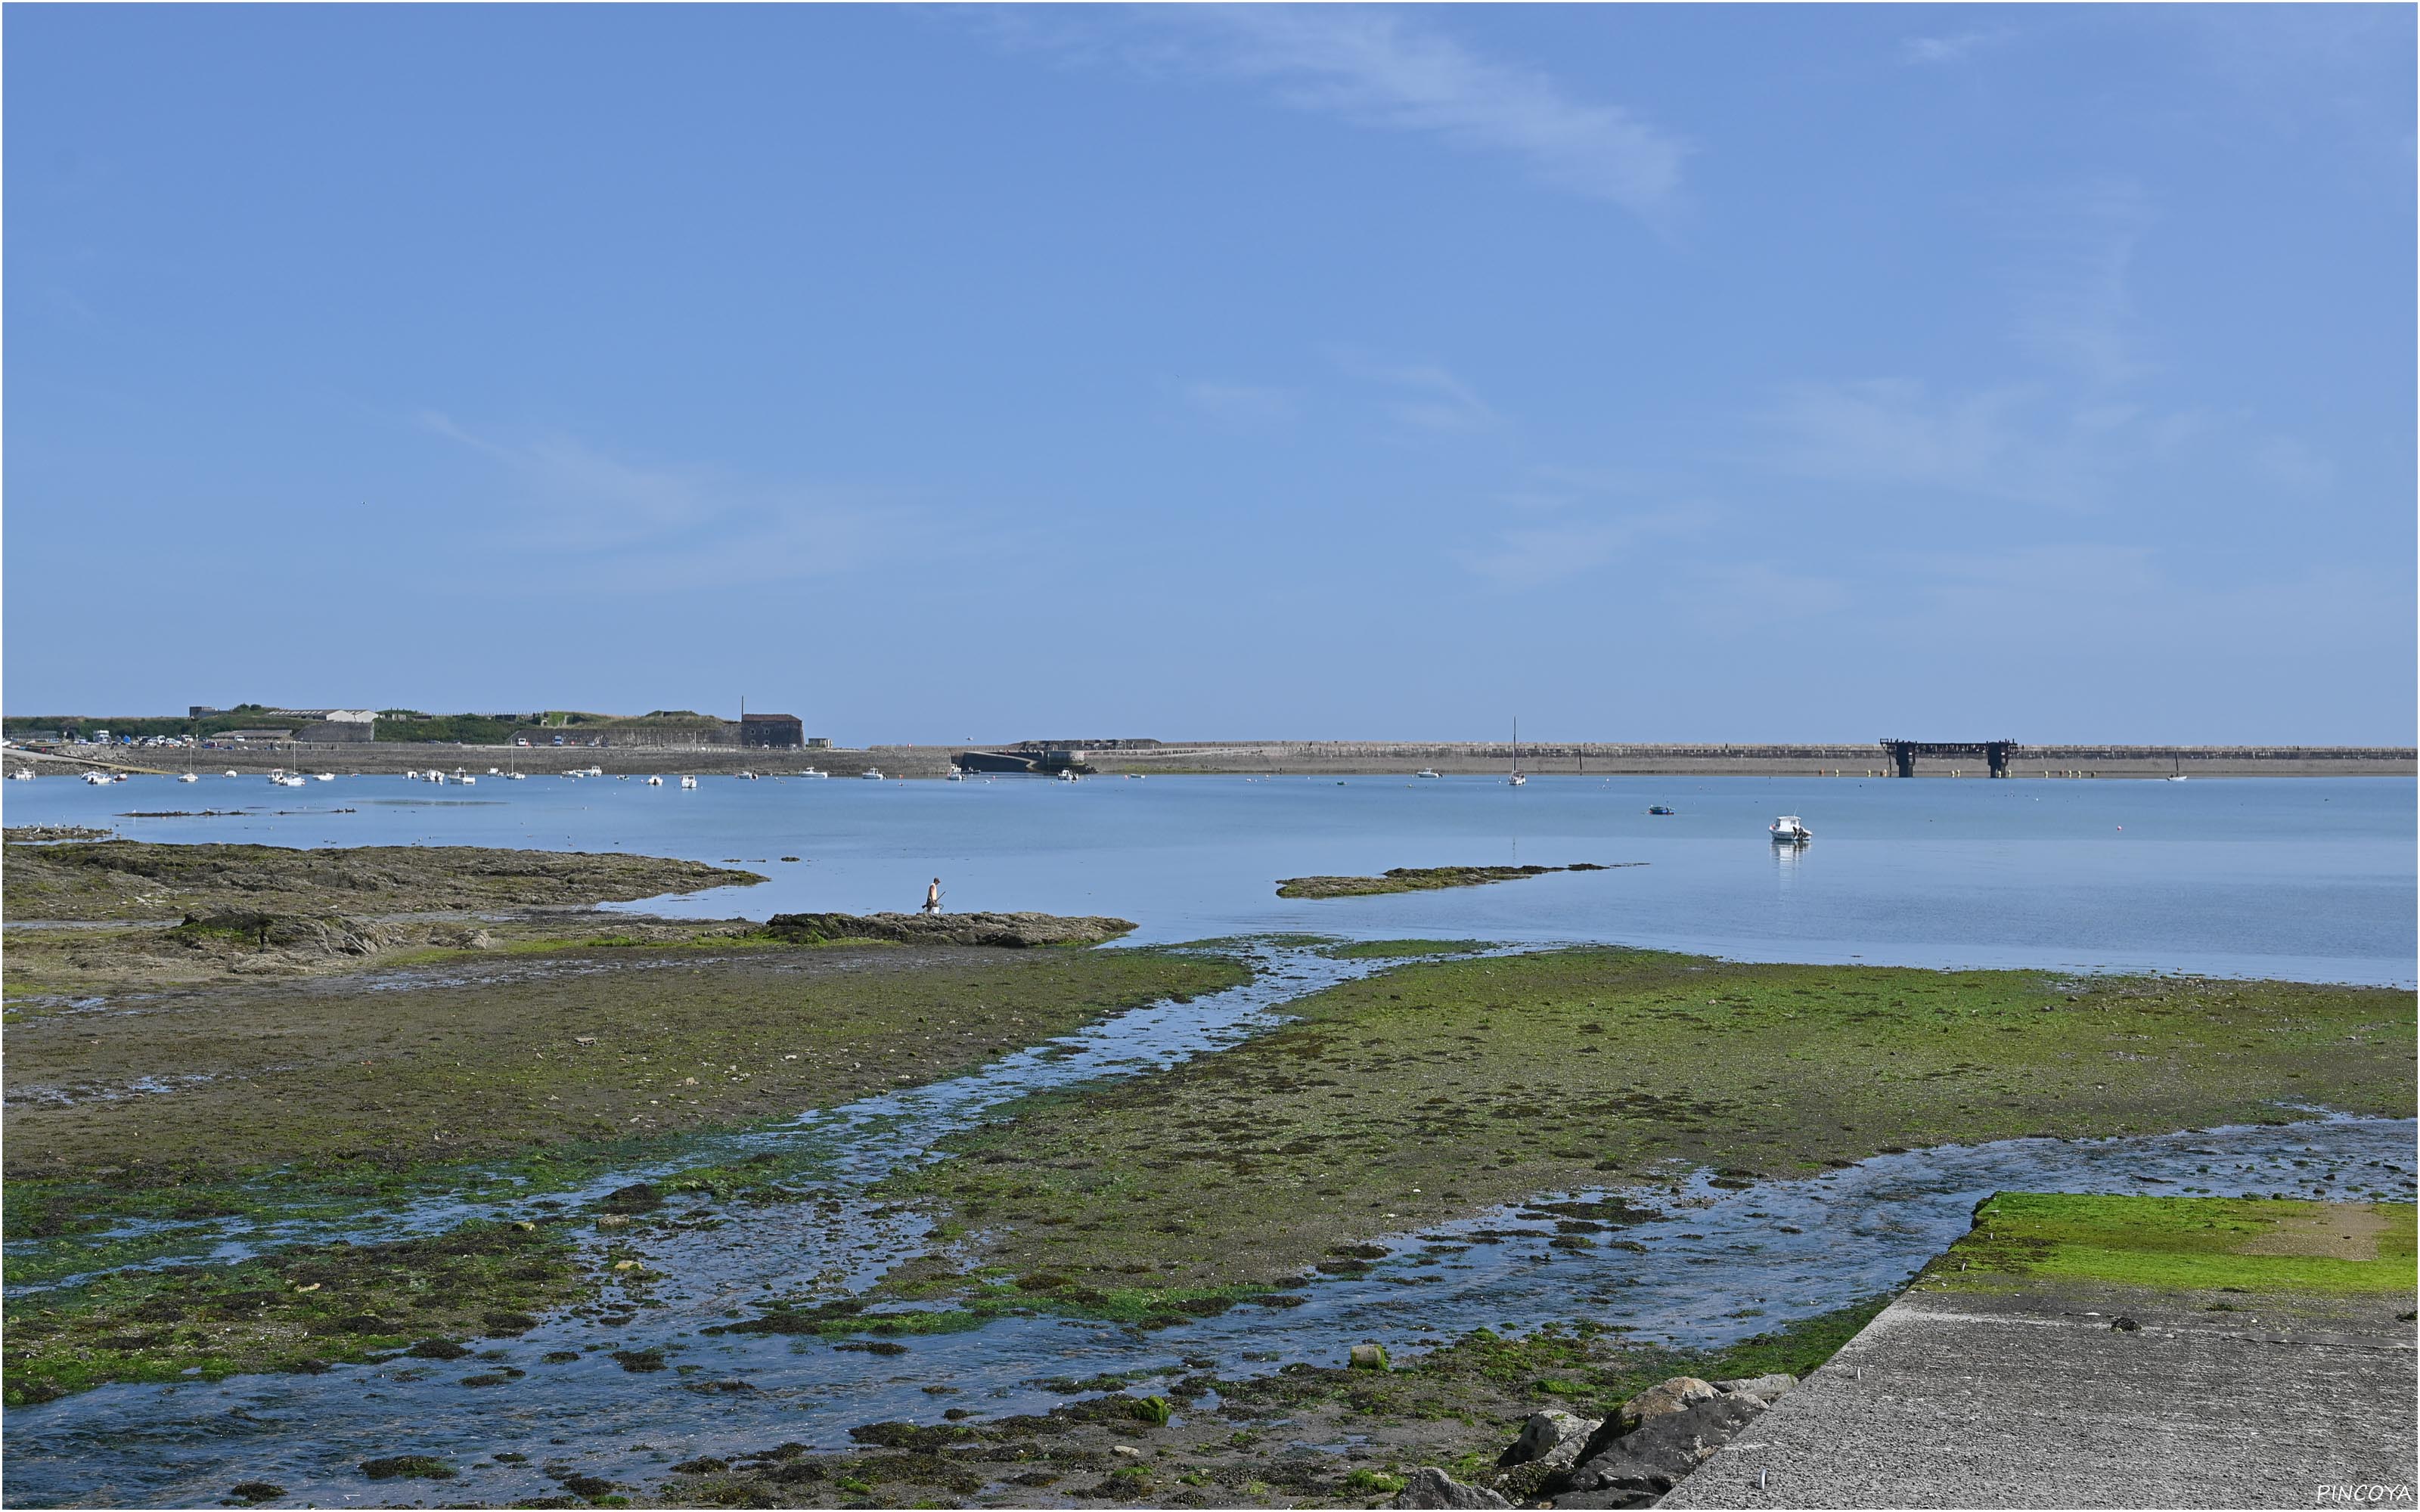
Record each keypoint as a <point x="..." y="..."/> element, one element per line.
<point x="1010" y="931"/>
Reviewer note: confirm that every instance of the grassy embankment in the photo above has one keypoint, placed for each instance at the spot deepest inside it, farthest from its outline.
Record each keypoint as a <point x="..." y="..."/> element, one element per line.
<point x="1442" y="1089"/>
<point x="1425" y="879"/>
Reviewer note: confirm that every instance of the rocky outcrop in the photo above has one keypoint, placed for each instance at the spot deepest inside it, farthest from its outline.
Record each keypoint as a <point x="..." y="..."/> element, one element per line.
<point x="1636" y="1455"/>
<point x="301" y="934"/>
<point x="1011" y="931"/>
<point x="1642" y="1464"/>
<point x="1430" y="1487"/>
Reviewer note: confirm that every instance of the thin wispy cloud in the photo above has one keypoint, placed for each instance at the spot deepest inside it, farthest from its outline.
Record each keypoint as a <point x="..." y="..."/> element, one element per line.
<point x="2073" y="254"/>
<point x="1385" y="71"/>
<point x="1428" y="396"/>
<point x="1532" y="556"/>
<point x="1956" y="48"/>
<point x="1243" y="405"/>
<point x="601" y="521"/>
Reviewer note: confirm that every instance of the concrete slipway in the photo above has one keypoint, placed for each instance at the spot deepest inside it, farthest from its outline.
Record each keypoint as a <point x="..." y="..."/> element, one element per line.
<point x="2037" y="1395"/>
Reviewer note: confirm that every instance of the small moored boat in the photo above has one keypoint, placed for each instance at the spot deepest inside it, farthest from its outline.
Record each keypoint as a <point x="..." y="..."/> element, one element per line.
<point x="870" y="775"/>
<point x="1659" y="808"/>
<point x="1789" y="830"/>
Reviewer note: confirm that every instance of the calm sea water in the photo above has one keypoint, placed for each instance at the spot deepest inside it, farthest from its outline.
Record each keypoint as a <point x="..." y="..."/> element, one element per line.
<point x="2300" y="878"/>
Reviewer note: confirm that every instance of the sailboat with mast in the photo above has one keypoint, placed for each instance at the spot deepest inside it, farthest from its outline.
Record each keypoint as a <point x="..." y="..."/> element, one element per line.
<point x="1519" y="777"/>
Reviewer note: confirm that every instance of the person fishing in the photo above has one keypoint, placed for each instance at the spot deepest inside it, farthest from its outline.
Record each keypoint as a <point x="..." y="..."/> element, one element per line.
<point x="933" y="897"/>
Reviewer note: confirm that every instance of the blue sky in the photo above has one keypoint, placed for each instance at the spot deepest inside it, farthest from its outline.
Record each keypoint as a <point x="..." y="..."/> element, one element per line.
<point x="1675" y="373"/>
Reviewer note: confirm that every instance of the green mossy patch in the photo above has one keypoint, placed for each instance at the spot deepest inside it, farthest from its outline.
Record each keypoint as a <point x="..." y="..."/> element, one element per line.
<point x="2264" y="1245"/>
<point x="303" y="1308"/>
<point x="1437" y="1089"/>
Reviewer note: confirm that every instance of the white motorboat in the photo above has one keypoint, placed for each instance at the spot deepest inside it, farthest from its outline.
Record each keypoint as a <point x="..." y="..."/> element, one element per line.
<point x="1789" y="830"/>
<point x="230" y="772"/>
<point x="953" y="775"/>
<point x="21" y="775"/>
<point x="99" y="780"/>
<point x="655" y="781"/>
<point x="870" y="775"/>
<point x="813" y="773"/>
<point x="689" y="781"/>
<point x="1427" y="772"/>
<point x="182" y="776"/>
<point x="1065" y="776"/>
<point x="748" y="776"/>
<point x="466" y="780"/>
<point x="326" y="776"/>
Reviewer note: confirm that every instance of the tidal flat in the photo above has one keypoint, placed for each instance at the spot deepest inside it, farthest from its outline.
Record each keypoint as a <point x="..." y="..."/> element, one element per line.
<point x="1440" y="1090"/>
<point x="1304" y="1436"/>
<point x="293" y="1085"/>
<point x="222" y="1076"/>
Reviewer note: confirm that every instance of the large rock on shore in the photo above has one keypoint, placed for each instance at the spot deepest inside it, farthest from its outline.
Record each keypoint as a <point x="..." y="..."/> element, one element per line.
<point x="1633" y="1468"/>
<point x="1011" y="931"/>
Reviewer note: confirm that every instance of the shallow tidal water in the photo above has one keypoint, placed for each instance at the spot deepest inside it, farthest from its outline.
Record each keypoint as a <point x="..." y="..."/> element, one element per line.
<point x="2299" y="878"/>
